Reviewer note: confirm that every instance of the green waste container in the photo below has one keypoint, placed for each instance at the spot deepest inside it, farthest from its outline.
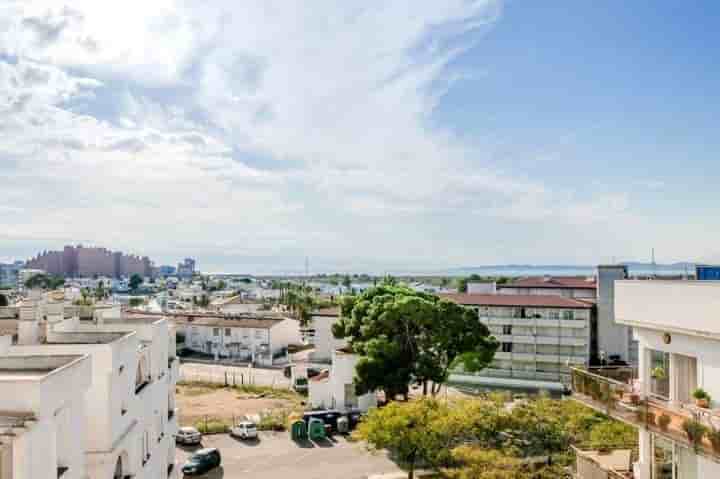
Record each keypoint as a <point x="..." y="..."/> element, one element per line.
<point x="316" y="429"/>
<point x="298" y="432"/>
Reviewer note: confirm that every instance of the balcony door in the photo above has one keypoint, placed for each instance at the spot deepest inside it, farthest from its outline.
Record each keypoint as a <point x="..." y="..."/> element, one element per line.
<point x="659" y="374"/>
<point x="685" y="374"/>
<point x="672" y="461"/>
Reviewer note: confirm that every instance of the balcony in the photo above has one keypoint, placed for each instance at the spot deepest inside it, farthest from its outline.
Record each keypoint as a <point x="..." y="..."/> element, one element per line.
<point x="616" y="392"/>
<point x="605" y="462"/>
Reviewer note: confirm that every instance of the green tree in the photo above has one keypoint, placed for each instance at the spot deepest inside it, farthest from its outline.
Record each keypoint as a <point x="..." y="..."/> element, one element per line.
<point x="135" y="302"/>
<point x="135" y="281"/>
<point x="3" y="301"/>
<point x="100" y="292"/>
<point x="480" y="463"/>
<point x="347" y="282"/>
<point x="404" y="429"/>
<point x="44" y="281"/>
<point x="403" y="336"/>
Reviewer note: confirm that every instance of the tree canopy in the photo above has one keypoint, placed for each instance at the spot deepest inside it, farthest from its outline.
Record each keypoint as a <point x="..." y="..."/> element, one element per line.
<point x="44" y="281"/>
<point x="403" y="336"/>
<point x="135" y="281"/>
<point x="483" y="439"/>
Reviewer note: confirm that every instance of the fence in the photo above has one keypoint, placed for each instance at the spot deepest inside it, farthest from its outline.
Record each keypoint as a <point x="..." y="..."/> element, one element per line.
<point x="229" y="376"/>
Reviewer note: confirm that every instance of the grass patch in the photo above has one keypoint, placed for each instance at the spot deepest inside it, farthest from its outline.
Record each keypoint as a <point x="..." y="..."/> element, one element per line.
<point x="213" y="426"/>
<point x="197" y="388"/>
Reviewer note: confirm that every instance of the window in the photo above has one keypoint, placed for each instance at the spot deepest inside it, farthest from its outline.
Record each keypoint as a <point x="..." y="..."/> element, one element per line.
<point x="554" y="314"/>
<point x="507" y="347"/>
<point x="216" y="331"/>
<point x="258" y="334"/>
<point x="507" y="329"/>
<point x="227" y="331"/>
<point x="570" y="314"/>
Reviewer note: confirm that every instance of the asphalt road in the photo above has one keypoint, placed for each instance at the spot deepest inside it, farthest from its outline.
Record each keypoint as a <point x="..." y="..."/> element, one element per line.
<point x="275" y="456"/>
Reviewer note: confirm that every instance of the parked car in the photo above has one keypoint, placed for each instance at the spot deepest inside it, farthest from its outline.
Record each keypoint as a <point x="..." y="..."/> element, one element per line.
<point x="202" y="461"/>
<point x="300" y="384"/>
<point x="188" y="435"/>
<point x="244" y="430"/>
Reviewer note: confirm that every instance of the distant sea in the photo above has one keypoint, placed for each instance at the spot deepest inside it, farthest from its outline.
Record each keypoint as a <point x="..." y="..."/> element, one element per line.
<point x="634" y="269"/>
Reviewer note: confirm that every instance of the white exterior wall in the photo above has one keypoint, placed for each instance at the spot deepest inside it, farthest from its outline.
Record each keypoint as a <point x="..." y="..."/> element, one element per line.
<point x="283" y="334"/>
<point x="324" y="341"/>
<point x="331" y="393"/>
<point x="57" y="401"/>
<point x="565" y="292"/>
<point x="145" y="425"/>
<point x="685" y="311"/>
<point x="243" y="343"/>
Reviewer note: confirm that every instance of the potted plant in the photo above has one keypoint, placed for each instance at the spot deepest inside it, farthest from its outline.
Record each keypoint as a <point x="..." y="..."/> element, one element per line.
<point x="695" y="430"/>
<point x="645" y="417"/>
<point x="713" y="436"/>
<point x="702" y="398"/>
<point x="663" y="421"/>
<point x="634" y="399"/>
<point x="658" y="373"/>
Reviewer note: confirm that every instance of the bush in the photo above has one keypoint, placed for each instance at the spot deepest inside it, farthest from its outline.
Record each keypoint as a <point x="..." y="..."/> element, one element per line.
<point x="714" y="436"/>
<point x="212" y="426"/>
<point x="694" y="430"/>
<point x="273" y="421"/>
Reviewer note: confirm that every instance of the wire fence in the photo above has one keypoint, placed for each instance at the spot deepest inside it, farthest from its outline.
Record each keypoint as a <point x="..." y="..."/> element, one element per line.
<point x="235" y="377"/>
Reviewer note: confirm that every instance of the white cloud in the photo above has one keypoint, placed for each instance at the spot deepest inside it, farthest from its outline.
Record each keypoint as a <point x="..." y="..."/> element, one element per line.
<point x="259" y="128"/>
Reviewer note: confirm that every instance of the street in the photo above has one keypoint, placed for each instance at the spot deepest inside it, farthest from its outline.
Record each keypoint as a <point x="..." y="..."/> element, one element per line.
<point x="275" y="456"/>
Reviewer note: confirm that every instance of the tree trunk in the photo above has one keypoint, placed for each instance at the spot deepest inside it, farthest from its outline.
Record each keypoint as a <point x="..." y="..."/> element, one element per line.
<point x="425" y="385"/>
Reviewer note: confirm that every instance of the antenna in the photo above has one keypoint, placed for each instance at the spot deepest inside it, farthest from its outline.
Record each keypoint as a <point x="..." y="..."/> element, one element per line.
<point x="307" y="266"/>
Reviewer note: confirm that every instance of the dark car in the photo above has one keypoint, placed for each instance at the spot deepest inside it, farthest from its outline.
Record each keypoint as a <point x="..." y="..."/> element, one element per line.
<point x="202" y="461"/>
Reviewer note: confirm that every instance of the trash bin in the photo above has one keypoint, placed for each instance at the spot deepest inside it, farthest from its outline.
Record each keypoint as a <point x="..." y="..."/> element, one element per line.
<point x="298" y="432"/>
<point x="316" y="429"/>
<point x="343" y="425"/>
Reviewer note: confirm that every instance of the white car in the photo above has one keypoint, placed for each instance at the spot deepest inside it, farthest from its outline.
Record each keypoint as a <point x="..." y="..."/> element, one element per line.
<point x="244" y="430"/>
<point x="188" y="435"/>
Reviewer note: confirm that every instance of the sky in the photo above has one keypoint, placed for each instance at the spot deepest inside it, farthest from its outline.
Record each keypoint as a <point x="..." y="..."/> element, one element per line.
<point x="364" y="135"/>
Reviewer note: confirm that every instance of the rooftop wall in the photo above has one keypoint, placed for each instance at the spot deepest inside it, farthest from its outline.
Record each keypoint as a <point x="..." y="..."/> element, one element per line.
<point x="688" y="306"/>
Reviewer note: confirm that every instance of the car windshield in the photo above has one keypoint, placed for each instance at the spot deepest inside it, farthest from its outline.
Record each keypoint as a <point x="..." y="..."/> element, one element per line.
<point x="197" y="458"/>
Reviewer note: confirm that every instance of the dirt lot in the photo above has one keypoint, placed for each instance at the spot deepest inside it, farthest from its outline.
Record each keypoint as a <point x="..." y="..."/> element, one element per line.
<point x="199" y="401"/>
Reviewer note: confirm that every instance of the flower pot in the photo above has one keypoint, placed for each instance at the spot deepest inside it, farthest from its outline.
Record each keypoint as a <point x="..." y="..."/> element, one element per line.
<point x="703" y="403"/>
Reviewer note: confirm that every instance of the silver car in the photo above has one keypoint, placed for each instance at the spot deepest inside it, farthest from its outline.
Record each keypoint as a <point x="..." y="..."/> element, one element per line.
<point x="188" y="435"/>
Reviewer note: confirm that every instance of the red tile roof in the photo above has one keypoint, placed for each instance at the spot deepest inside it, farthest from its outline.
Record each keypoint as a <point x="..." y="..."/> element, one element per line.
<point x="520" y="300"/>
<point x="552" y="282"/>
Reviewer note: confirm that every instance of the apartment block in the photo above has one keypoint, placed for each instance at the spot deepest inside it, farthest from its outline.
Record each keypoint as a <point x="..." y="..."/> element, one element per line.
<point x="128" y="419"/>
<point x="540" y="337"/>
<point x="678" y="334"/>
<point x="262" y="339"/>
<point x="42" y="399"/>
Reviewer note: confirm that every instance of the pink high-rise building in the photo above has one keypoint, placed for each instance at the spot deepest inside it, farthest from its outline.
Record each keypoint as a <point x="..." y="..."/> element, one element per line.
<point x="78" y="261"/>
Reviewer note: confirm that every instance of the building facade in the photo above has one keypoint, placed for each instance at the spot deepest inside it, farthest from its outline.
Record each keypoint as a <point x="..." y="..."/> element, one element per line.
<point x="79" y="261"/>
<point x="130" y="419"/>
<point x="334" y="389"/>
<point x="186" y="269"/>
<point x="9" y="273"/>
<point x="569" y="287"/>
<point x="262" y="340"/>
<point x="675" y="323"/>
<point x="540" y="337"/>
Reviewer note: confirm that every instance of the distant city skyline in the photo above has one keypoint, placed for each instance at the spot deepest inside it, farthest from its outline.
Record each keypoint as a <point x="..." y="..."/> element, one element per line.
<point x="364" y="135"/>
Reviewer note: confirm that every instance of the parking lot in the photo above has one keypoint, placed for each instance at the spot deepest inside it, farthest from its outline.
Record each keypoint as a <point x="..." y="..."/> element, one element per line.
<point x="275" y="456"/>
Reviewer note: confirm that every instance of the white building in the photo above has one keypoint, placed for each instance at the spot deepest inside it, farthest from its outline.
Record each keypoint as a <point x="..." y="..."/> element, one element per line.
<point x="129" y="419"/>
<point x="262" y="339"/>
<point x="540" y="338"/>
<point x="678" y="332"/>
<point x="319" y="333"/>
<point x="42" y="399"/>
<point x="567" y="286"/>
<point x="335" y="390"/>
